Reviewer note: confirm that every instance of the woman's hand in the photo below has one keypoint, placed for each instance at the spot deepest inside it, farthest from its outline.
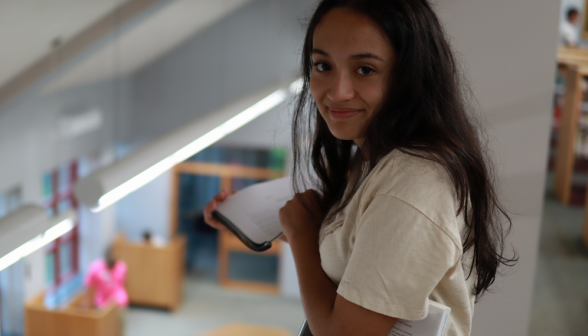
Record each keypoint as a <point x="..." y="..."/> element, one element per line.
<point x="211" y="206"/>
<point x="302" y="216"/>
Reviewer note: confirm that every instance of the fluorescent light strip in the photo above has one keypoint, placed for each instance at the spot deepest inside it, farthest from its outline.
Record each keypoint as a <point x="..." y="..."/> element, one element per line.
<point x="296" y="87"/>
<point x="194" y="147"/>
<point x="36" y="243"/>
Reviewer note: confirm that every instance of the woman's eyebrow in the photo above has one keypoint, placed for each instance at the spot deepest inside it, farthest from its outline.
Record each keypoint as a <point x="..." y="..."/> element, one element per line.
<point x="367" y="55"/>
<point x="320" y="52"/>
<point x="358" y="56"/>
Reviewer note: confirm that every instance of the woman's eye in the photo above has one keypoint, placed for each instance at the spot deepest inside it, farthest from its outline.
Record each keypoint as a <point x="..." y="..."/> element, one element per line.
<point x="322" y="66"/>
<point x="365" y="70"/>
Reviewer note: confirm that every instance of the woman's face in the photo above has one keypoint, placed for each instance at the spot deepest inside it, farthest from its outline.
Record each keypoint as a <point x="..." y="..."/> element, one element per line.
<point x="351" y="62"/>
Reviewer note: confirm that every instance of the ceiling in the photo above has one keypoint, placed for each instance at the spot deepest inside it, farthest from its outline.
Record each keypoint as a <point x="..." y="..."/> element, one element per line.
<point x="141" y="41"/>
<point x="28" y="28"/>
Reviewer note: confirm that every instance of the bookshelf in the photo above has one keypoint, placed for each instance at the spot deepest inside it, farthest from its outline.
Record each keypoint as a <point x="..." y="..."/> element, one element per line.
<point x="227" y="241"/>
<point x="573" y="125"/>
<point x="572" y="143"/>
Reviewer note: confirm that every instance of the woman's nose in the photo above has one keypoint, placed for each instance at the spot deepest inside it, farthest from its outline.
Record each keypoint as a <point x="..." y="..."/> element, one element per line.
<point x="341" y="88"/>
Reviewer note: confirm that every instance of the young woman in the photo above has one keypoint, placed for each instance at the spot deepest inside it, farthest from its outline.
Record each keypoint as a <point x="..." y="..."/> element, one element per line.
<point x="406" y="209"/>
<point x="105" y="282"/>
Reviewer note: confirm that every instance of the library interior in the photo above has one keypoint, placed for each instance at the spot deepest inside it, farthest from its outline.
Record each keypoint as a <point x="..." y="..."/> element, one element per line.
<point x="120" y="120"/>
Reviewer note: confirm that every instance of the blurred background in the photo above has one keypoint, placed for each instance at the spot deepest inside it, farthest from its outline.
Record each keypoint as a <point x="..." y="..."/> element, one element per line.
<point x="100" y="87"/>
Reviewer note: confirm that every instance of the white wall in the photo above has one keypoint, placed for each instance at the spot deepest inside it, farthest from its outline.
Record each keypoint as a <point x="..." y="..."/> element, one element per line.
<point x="508" y="48"/>
<point x="146" y="209"/>
<point x="34" y="279"/>
<point x="287" y="277"/>
<point x="271" y="130"/>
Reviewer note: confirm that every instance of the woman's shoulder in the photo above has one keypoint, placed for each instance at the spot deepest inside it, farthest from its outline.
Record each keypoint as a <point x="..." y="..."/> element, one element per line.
<point x="418" y="180"/>
<point x="404" y="173"/>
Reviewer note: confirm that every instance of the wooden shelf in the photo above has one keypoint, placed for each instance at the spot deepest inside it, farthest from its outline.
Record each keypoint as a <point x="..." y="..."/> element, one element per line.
<point x="574" y="65"/>
<point x="568" y="128"/>
<point x="227" y="241"/>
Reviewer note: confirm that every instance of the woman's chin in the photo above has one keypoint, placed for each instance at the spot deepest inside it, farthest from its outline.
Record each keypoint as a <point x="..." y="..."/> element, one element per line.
<point x="344" y="133"/>
<point x="344" y="136"/>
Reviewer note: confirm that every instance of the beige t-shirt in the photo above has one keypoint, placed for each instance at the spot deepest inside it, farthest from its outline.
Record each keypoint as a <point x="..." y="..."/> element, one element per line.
<point x="398" y="244"/>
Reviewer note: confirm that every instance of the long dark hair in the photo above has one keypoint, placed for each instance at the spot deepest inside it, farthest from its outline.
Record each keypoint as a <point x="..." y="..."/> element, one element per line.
<point x="425" y="113"/>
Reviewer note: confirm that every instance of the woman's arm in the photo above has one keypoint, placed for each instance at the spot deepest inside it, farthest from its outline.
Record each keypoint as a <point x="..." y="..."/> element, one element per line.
<point x="327" y="312"/>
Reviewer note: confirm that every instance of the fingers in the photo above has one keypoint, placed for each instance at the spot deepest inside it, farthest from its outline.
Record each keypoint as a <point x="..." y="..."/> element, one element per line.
<point x="221" y="196"/>
<point x="313" y="194"/>
<point x="310" y="197"/>
<point x="211" y="206"/>
<point x="217" y="225"/>
<point x="213" y="222"/>
<point x="311" y="201"/>
<point x="208" y="209"/>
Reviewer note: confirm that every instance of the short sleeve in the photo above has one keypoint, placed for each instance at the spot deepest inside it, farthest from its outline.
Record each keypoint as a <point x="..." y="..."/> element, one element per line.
<point x="398" y="258"/>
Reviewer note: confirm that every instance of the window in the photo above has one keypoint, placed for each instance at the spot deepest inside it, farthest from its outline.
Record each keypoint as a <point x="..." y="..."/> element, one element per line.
<point x="66" y="258"/>
<point x="11" y="278"/>
<point x="49" y="269"/>
<point x="10" y="201"/>
<point x="62" y="255"/>
<point x="13" y="199"/>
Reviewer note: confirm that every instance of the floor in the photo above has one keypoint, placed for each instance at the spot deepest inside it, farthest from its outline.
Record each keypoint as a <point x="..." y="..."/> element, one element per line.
<point x="560" y="306"/>
<point x="207" y="306"/>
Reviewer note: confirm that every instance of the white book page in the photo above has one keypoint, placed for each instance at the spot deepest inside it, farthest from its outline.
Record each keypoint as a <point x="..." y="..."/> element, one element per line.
<point x="254" y="210"/>
<point x="429" y="326"/>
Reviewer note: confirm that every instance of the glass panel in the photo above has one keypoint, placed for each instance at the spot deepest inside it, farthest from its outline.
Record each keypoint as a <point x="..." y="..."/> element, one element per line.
<point x="14" y="199"/>
<point x="3" y="206"/>
<point x="50" y="269"/>
<point x="64" y="179"/>
<point x="65" y="258"/>
<point x="47" y="187"/>
<point x="64" y="205"/>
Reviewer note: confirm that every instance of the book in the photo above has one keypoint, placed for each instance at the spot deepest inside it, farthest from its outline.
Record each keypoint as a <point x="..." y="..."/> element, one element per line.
<point x="434" y="324"/>
<point x="252" y="214"/>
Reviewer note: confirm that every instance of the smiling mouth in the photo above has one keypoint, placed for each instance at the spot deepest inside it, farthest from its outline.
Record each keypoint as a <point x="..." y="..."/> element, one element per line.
<point x="343" y="113"/>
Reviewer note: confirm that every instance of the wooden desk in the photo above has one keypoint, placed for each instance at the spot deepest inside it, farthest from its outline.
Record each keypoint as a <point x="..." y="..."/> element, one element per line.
<point x="155" y="274"/>
<point x="70" y="321"/>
